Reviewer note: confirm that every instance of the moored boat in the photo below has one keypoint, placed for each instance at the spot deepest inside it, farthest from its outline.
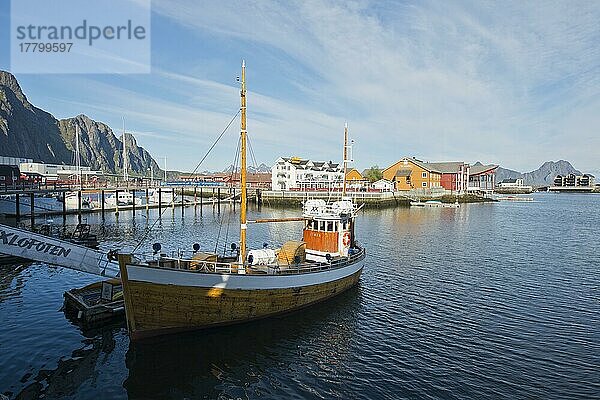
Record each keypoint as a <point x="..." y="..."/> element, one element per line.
<point x="166" y="294"/>
<point x="434" y="204"/>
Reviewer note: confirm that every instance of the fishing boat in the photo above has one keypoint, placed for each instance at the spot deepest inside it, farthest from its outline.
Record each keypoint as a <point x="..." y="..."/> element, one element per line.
<point x="166" y="294"/>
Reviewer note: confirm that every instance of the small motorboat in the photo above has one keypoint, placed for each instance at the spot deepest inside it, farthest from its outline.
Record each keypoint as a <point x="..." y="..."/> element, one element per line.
<point x="433" y="204"/>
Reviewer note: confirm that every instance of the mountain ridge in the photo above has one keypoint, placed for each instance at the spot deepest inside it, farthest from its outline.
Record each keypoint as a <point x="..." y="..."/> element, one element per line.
<point x="543" y="176"/>
<point x="30" y="132"/>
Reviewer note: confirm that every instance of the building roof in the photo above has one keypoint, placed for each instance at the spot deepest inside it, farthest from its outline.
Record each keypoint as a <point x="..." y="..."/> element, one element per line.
<point x="403" y="172"/>
<point x="299" y="163"/>
<point x="418" y="163"/>
<point x="479" y="169"/>
<point x="354" y="170"/>
<point x="250" y="177"/>
<point x="447" y="167"/>
<point x="383" y="180"/>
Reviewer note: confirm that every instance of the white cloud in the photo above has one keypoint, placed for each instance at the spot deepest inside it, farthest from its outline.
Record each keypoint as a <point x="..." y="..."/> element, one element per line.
<point x="508" y="83"/>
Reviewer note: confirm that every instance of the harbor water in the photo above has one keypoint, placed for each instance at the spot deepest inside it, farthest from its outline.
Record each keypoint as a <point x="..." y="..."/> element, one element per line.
<point x="497" y="300"/>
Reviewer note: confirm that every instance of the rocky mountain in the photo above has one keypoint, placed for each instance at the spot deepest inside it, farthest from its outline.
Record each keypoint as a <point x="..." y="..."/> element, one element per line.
<point x="251" y="168"/>
<point x="25" y="130"/>
<point x="29" y="132"/>
<point x="101" y="149"/>
<point x="543" y="176"/>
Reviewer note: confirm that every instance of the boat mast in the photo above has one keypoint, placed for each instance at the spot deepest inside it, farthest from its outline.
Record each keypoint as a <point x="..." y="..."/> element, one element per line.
<point x="77" y="155"/>
<point x="345" y="157"/>
<point x="243" y="167"/>
<point x="125" y="177"/>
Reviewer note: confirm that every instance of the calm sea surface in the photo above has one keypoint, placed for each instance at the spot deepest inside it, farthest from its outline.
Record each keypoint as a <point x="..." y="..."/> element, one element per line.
<point x="486" y="301"/>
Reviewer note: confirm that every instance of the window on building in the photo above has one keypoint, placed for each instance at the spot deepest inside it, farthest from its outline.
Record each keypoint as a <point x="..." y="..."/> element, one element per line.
<point x="424" y="184"/>
<point x="424" y="174"/>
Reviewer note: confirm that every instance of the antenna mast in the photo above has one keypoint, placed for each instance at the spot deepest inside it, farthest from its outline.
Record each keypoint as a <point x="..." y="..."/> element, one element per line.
<point x="243" y="168"/>
<point x="125" y="161"/>
<point x="77" y="155"/>
<point x="345" y="157"/>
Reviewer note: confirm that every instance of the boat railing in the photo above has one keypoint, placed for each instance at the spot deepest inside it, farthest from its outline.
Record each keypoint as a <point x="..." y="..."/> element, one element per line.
<point x="177" y="260"/>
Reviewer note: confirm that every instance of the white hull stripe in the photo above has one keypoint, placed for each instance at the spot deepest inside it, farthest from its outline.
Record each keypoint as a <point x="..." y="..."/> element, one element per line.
<point x="247" y="282"/>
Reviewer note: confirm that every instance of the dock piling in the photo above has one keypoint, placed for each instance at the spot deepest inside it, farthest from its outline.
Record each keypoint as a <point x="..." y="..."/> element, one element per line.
<point x="32" y="209"/>
<point x="102" y="202"/>
<point x="133" y="204"/>
<point x="17" y="207"/>
<point x="64" y="207"/>
<point x="78" y="205"/>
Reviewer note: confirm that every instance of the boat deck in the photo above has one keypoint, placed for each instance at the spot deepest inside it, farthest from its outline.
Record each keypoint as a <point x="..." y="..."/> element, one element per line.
<point x="215" y="267"/>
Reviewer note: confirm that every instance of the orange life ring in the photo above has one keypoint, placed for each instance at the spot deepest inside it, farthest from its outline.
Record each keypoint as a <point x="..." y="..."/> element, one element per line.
<point x="346" y="239"/>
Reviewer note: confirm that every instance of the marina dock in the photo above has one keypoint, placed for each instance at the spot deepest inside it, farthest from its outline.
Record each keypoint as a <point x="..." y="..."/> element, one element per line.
<point x="32" y="202"/>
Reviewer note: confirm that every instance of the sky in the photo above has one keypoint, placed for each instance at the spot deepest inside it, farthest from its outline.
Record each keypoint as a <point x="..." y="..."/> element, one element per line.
<point x="512" y="83"/>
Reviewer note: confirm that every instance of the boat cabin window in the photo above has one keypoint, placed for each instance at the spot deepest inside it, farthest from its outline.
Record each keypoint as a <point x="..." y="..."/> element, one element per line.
<point x="330" y="226"/>
<point x="322" y="226"/>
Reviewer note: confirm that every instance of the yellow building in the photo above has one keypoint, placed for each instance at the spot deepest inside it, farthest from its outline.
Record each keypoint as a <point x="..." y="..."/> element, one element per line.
<point x="354" y="175"/>
<point x="410" y="173"/>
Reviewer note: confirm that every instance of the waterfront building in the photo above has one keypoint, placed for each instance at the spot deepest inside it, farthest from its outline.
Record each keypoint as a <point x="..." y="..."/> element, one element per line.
<point x="14" y="161"/>
<point x="55" y="172"/>
<point x="572" y="180"/>
<point x="355" y="180"/>
<point x="410" y="173"/>
<point x="455" y="175"/>
<point x="9" y="174"/>
<point x="258" y="180"/>
<point x="294" y="173"/>
<point x="482" y="178"/>
<point x="383" y="185"/>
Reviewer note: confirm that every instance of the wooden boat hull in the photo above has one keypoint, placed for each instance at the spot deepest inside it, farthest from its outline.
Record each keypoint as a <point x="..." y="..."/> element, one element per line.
<point x="157" y="304"/>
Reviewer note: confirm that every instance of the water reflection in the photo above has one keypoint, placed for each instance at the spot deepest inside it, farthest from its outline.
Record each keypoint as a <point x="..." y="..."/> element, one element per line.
<point x="242" y="360"/>
<point x="71" y="372"/>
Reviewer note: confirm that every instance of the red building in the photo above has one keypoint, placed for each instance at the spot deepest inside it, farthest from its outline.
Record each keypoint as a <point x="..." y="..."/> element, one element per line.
<point x="260" y="180"/>
<point x="482" y="178"/>
<point x="455" y="175"/>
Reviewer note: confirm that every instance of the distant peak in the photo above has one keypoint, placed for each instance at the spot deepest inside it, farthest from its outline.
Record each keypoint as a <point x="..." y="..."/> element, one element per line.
<point x="10" y="81"/>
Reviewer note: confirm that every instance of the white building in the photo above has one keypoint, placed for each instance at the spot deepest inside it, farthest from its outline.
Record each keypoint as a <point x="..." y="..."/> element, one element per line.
<point x="295" y="173"/>
<point x="53" y="172"/>
<point x="511" y="183"/>
<point x="384" y="185"/>
<point x="14" y="160"/>
<point x="514" y="183"/>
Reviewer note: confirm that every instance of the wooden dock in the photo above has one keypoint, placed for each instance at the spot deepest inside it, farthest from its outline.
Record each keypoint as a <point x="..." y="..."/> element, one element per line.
<point x="182" y="197"/>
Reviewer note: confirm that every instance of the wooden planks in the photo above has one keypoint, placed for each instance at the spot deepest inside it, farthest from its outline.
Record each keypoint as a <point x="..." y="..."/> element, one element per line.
<point x="154" y="308"/>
